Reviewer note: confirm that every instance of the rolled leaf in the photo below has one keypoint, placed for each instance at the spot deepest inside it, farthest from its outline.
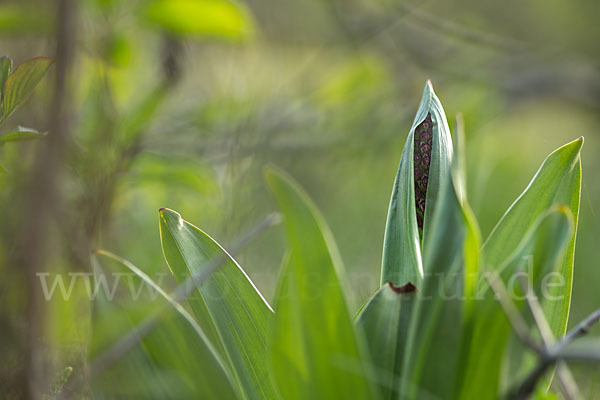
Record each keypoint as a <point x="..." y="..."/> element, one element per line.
<point x="431" y="358"/>
<point x="424" y="165"/>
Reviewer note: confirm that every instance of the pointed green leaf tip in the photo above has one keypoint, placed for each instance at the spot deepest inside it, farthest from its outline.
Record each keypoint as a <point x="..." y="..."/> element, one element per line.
<point x="229" y="308"/>
<point x="424" y="169"/>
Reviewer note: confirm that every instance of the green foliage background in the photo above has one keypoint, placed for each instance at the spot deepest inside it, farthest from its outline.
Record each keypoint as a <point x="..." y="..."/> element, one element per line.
<point x="181" y="103"/>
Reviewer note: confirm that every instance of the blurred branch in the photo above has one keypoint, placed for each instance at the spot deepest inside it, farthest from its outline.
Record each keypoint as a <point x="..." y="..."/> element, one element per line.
<point x="550" y="352"/>
<point x="467" y="35"/>
<point x="580" y="329"/>
<point x="563" y="373"/>
<point x="512" y="313"/>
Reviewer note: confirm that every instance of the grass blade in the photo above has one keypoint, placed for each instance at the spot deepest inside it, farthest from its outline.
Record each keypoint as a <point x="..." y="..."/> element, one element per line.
<point x="538" y="254"/>
<point x="315" y="352"/>
<point x="173" y="360"/>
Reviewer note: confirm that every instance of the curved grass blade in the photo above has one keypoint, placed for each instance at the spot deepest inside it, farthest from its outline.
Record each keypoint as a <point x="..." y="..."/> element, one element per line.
<point x="315" y="352"/>
<point x="228" y="306"/>
<point x="558" y="181"/>
<point x="174" y="360"/>
<point x="424" y="165"/>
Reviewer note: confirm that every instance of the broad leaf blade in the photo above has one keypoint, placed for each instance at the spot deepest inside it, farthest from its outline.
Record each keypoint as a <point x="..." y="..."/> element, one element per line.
<point x="385" y="320"/>
<point x="558" y="181"/>
<point x="402" y="260"/>
<point x="21" y="134"/>
<point x="175" y="360"/>
<point x="432" y="353"/>
<point x="20" y="84"/>
<point x="315" y="352"/>
<point x="538" y="254"/>
<point x="228" y="306"/>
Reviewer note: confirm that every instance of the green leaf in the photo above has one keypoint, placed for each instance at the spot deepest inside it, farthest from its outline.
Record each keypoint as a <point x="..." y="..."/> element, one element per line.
<point x="538" y="254"/>
<point x="431" y="359"/>
<point x="5" y="70"/>
<point x="314" y="349"/>
<point x="21" y="134"/>
<point x="558" y="181"/>
<point x="228" y="306"/>
<point x="214" y="18"/>
<point x="385" y="320"/>
<point x="402" y="259"/>
<point x="23" y="19"/>
<point x="20" y="84"/>
<point x="167" y="361"/>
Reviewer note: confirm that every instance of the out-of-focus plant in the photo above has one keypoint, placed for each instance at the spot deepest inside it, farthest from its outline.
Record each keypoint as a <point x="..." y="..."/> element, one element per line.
<point x="438" y="327"/>
<point x="15" y="88"/>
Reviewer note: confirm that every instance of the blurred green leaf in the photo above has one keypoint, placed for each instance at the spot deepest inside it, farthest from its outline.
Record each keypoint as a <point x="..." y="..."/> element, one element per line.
<point x="228" y="306"/>
<point x="385" y="320"/>
<point x="402" y="259"/>
<point x="5" y="70"/>
<point x="558" y="181"/>
<point x="21" y="134"/>
<point x="314" y="351"/>
<point x="175" y="360"/>
<point x="537" y="255"/>
<point x="23" y="19"/>
<point x="216" y="18"/>
<point x="20" y="84"/>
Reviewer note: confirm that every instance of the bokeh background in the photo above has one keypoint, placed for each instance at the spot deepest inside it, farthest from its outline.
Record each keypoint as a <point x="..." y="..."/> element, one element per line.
<point x="181" y="104"/>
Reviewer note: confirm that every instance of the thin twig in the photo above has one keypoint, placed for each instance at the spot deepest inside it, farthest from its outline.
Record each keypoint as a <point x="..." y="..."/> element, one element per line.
<point x="537" y="313"/>
<point x="580" y="329"/>
<point x="566" y="382"/>
<point x="563" y="374"/>
<point x="552" y="351"/>
<point x="514" y="316"/>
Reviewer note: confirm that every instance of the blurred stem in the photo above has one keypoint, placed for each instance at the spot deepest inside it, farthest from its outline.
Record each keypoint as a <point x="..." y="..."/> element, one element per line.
<point x="43" y="199"/>
<point x="556" y="354"/>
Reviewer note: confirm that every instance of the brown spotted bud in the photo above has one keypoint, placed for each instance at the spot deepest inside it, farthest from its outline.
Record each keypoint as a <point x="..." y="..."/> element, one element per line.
<point x="423" y="142"/>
